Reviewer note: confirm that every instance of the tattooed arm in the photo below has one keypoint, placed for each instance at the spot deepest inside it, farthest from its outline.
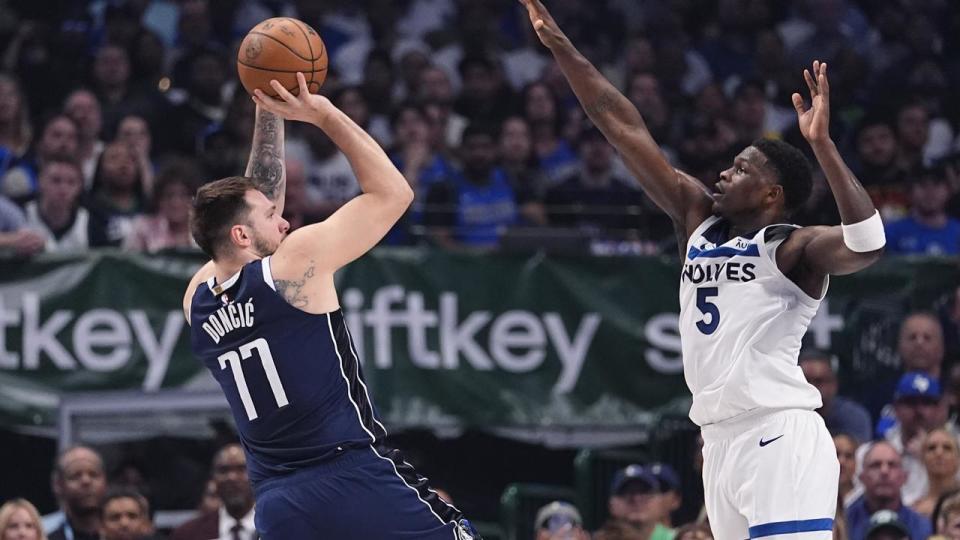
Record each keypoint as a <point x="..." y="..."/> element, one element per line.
<point x="682" y="197"/>
<point x="266" y="164"/>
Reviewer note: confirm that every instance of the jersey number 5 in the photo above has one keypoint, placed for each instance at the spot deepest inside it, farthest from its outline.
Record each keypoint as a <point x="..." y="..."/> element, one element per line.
<point x="269" y="367"/>
<point x="709" y="309"/>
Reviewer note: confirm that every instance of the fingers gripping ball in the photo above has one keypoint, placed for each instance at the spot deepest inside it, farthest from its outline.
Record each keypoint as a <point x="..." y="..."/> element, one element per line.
<point x="277" y="49"/>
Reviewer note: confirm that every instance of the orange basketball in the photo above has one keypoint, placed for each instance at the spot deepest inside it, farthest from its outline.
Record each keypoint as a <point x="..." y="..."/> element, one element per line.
<point x="277" y="49"/>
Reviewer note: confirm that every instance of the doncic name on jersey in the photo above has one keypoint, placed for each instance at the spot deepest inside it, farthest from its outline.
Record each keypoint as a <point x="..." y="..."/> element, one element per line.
<point x="711" y="269"/>
<point x="228" y="318"/>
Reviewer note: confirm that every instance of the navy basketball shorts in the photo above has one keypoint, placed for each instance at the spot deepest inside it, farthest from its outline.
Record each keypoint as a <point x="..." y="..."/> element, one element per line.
<point x="360" y="495"/>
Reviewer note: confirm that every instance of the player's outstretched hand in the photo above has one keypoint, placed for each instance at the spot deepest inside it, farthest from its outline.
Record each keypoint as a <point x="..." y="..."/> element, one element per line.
<point x="305" y="107"/>
<point x="815" y="121"/>
<point x="547" y="29"/>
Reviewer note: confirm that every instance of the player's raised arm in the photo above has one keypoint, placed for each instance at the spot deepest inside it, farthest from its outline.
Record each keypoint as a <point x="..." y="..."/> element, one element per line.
<point x="859" y="241"/>
<point x="359" y="224"/>
<point x="684" y="199"/>
<point x="266" y="165"/>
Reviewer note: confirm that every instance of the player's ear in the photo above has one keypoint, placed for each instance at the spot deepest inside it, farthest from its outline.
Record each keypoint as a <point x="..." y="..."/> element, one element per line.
<point x="774" y="192"/>
<point x="239" y="236"/>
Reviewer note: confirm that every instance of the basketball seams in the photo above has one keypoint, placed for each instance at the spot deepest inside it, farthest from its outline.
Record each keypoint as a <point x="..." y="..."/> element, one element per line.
<point x="260" y="68"/>
<point x="313" y="65"/>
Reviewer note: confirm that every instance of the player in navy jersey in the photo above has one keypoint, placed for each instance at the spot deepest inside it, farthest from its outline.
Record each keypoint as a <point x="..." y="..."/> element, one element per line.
<point x="749" y="287"/>
<point x="266" y="320"/>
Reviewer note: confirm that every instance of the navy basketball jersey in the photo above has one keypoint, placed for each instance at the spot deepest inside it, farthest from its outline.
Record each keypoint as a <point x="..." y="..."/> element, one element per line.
<point x="293" y="379"/>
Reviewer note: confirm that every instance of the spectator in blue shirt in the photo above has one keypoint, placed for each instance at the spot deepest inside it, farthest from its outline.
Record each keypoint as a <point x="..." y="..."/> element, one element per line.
<point x="840" y="414"/>
<point x="928" y="230"/>
<point x="882" y="477"/>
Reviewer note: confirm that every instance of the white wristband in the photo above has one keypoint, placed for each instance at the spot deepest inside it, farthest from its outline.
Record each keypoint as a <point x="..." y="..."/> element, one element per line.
<point x="866" y="235"/>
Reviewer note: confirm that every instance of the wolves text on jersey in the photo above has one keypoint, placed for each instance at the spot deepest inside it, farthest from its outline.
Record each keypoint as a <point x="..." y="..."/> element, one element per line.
<point x="729" y="271"/>
<point x="228" y="318"/>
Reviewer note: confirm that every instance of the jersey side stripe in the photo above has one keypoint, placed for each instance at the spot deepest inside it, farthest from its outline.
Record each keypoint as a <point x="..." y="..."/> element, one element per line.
<point x="366" y="392"/>
<point x="436" y="504"/>
<point x="336" y="349"/>
<point x="351" y="369"/>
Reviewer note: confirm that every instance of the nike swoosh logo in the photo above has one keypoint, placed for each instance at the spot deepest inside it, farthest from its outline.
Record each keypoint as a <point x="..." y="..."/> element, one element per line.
<point x="764" y="443"/>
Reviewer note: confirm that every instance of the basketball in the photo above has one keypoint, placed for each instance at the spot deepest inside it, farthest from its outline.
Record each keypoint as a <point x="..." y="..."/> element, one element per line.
<point x="277" y="49"/>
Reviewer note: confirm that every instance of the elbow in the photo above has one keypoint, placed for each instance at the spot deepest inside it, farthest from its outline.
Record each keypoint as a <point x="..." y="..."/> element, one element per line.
<point x="404" y="194"/>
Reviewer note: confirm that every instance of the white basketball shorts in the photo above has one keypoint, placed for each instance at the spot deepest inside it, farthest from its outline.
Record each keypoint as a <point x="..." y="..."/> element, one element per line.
<point x="770" y="474"/>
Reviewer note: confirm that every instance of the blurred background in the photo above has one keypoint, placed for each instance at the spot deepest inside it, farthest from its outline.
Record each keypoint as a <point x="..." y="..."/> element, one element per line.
<point x="518" y="327"/>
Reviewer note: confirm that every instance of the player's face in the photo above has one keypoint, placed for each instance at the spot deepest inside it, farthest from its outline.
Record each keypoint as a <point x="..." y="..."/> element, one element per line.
<point x="746" y="187"/>
<point x="267" y="226"/>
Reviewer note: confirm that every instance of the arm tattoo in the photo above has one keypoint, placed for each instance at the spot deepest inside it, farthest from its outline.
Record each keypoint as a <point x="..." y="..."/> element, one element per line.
<point x="605" y="102"/>
<point x="292" y="291"/>
<point x="266" y="156"/>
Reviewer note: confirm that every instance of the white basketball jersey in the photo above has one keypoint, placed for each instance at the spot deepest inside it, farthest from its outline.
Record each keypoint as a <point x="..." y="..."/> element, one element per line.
<point x="741" y="322"/>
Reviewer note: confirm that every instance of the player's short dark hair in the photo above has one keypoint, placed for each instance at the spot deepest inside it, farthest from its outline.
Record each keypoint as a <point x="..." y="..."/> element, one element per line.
<point x="792" y="168"/>
<point x="124" y="492"/>
<point x="217" y="207"/>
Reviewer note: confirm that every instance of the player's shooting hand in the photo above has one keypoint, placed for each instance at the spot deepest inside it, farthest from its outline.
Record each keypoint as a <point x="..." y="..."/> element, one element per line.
<point x="305" y="107"/>
<point x="547" y="29"/>
<point x="815" y="121"/>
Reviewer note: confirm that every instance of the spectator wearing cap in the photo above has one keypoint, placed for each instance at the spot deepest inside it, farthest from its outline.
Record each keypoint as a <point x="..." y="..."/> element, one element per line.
<point x="919" y="408"/>
<point x="633" y="507"/>
<point x="883" y="476"/>
<point x="559" y="520"/>
<point x="670" y="498"/>
<point x="885" y="525"/>
<point x="841" y="415"/>
<point x="928" y="230"/>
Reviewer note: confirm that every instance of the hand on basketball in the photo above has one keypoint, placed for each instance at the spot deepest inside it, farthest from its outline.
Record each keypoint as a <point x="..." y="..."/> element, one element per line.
<point x="815" y="121"/>
<point x="547" y="29"/>
<point x="305" y="107"/>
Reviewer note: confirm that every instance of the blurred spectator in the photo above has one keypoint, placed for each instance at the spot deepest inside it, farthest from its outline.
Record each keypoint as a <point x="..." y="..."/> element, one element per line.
<point x="559" y="520"/>
<point x="941" y="459"/>
<point x="475" y="205"/>
<point x="670" y="498"/>
<point x="946" y="518"/>
<point x="119" y="95"/>
<point x="485" y="95"/>
<point x="840" y="414"/>
<point x="913" y="127"/>
<point x="234" y="519"/>
<point x="15" y="237"/>
<point x="209" y="500"/>
<point x="928" y="230"/>
<point x="57" y="214"/>
<point x="19" y="520"/>
<point x="542" y="111"/>
<point x="701" y="531"/>
<point x="295" y="208"/>
<point x="594" y="198"/>
<point x="518" y="161"/>
<point x="225" y="144"/>
<point x="83" y="107"/>
<point x="15" y="128"/>
<point x="118" y="194"/>
<point x="886" y="525"/>
<point x="633" y="507"/>
<point x="134" y="131"/>
<point x="58" y="140"/>
<point x="436" y="90"/>
<point x="330" y="179"/>
<point x="919" y="407"/>
<point x="877" y="168"/>
<point x="846" y="455"/>
<point x="645" y="94"/>
<point x="126" y="515"/>
<point x="755" y="117"/>
<point x="199" y="102"/>
<point x="352" y="101"/>
<point x="79" y="483"/>
<point x="168" y="224"/>
<point x="882" y="478"/>
<point x="378" y="83"/>
<point x="920" y="343"/>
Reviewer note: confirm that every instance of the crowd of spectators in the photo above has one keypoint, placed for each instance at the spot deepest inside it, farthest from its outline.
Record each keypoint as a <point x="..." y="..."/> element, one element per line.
<point x="112" y="112"/>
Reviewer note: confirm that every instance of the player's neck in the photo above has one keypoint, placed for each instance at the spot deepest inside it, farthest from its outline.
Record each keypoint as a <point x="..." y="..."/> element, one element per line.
<point x="749" y="223"/>
<point x="227" y="267"/>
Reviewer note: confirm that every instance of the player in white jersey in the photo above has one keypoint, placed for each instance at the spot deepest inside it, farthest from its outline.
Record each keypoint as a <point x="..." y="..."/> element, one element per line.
<point x="749" y="287"/>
